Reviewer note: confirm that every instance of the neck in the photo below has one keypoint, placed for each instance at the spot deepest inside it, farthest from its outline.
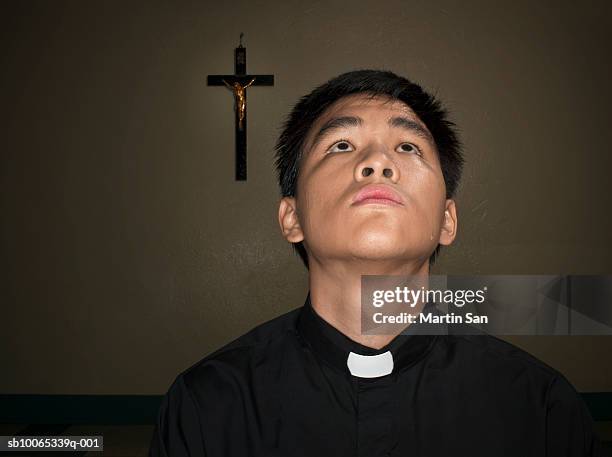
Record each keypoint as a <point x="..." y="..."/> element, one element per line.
<point x="335" y="293"/>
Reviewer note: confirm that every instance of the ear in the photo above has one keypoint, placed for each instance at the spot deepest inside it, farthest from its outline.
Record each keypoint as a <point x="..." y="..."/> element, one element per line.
<point x="448" y="232"/>
<point x="288" y="220"/>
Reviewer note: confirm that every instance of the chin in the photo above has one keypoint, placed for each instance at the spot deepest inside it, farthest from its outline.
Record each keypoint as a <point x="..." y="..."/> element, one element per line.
<point x="381" y="246"/>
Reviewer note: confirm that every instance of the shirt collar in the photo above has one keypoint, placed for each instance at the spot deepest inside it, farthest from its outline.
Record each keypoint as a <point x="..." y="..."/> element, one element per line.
<point x="334" y="347"/>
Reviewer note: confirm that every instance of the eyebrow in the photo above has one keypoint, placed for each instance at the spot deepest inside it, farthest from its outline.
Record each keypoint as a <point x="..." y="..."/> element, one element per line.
<point x="413" y="126"/>
<point x="335" y="123"/>
<point x="341" y="122"/>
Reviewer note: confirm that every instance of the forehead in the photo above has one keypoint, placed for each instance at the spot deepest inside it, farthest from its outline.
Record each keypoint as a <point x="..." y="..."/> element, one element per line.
<point x="366" y="104"/>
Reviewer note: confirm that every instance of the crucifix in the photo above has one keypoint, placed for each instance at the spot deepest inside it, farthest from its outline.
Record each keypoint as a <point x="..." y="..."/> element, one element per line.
<point x="238" y="83"/>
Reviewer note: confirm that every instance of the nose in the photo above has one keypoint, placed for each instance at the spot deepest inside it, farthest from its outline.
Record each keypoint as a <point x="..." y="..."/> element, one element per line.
<point x="377" y="163"/>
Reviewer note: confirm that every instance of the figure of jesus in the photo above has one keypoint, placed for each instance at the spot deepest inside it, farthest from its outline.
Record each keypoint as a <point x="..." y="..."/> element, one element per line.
<point x="239" y="94"/>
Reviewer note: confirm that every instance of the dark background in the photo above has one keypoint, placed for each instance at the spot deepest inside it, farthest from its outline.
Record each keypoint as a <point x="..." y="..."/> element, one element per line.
<point x="128" y="250"/>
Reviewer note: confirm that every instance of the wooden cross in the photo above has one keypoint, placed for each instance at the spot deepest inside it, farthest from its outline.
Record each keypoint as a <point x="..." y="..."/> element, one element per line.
<point x="238" y="84"/>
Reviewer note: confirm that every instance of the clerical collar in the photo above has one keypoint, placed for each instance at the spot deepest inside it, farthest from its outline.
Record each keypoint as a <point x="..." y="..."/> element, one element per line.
<point x="335" y="347"/>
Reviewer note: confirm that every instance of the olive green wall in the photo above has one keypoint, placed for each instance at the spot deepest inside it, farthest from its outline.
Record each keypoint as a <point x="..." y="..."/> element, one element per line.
<point x="128" y="250"/>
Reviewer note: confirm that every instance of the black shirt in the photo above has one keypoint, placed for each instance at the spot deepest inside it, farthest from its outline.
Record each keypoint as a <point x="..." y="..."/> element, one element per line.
<point x="284" y="389"/>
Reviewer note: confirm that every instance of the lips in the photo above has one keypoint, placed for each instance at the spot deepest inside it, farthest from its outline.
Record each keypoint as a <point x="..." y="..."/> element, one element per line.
<point x="378" y="193"/>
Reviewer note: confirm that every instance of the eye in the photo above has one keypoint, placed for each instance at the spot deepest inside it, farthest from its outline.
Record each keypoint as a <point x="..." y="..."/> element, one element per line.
<point x="409" y="147"/>
<point x="341" y="146"/>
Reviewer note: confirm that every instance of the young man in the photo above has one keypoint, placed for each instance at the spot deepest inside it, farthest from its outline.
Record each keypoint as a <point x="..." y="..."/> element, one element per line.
<point x="368" y="166"/>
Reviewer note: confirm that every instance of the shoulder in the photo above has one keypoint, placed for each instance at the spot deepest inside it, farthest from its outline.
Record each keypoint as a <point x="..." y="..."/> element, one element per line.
<point x="238" y="357"/>
<point x="485" y="360"/>
<point x="491" y="347"/>
<point x="513" y="369"/>
<point x="569" y="424"/>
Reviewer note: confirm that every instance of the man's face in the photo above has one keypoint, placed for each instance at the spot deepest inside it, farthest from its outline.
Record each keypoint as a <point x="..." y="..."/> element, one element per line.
<point x="359" y="144"/>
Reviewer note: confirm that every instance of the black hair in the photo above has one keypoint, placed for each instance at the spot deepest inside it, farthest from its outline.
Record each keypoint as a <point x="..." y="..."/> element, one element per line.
<point x="289" y="146"/>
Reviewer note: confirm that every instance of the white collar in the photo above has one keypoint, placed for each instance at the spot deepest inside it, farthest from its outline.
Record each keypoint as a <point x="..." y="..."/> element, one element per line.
<point x="370" y="366"/>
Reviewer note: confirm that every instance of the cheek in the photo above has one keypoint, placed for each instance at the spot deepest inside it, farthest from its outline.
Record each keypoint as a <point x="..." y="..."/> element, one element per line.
<point x="321" y="215"/>
<point x="310" y="205"/>
<point x="427" y="194"/>
<point x="426" y="175"/>
<point x="321" y="191"/>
